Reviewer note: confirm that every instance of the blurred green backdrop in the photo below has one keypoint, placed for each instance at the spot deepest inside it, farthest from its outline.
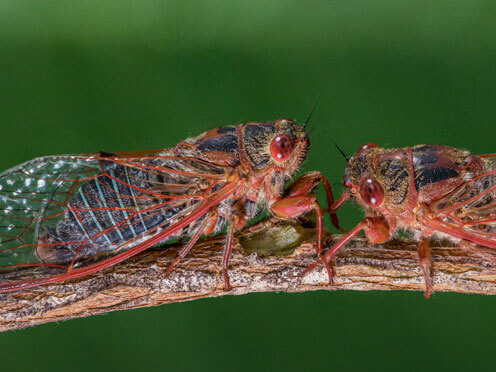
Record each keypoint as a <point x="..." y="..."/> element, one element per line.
<point x="79" y="77"/>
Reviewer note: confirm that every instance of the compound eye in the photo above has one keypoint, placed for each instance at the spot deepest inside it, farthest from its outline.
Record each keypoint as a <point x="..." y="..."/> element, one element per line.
<point x="368" y="145"/>
<point x="371" y="192"/>
<point x="281" y="147"/>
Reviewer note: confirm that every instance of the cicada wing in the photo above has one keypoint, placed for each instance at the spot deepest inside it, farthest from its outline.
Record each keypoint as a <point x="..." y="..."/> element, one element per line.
<point x="469" y="212"/>
<point x="72" y="211"/>
<point x="33" y="197"/>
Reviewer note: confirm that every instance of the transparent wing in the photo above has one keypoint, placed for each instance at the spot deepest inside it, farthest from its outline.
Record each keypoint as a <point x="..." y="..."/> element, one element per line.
<point x="35" y="195"/>
<point x="69" y="211"/>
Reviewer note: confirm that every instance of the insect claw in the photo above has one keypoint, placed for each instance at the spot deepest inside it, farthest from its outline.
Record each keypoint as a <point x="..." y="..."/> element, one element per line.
<point x="425" y="263"/>
<point x="428" y="280"/>
<point x="227" y="285"/>
<point x="428" y="291"/>
<point x="171" y="266"/>
<point x="321" y="260"/>
<point x="307" y="270"/>
<point x="328" y="268"/>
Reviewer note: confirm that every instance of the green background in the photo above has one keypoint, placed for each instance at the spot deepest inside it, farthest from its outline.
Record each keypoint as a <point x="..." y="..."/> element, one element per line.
<point x="79" y="77"/>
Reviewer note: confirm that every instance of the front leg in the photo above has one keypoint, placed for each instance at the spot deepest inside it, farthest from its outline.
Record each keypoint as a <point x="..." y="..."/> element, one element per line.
<point x="291" y="207"/>
<point x="305" y="184"/>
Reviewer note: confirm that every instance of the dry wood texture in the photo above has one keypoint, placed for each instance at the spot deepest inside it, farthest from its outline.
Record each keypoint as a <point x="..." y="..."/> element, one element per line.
<point x="141" y="281"/>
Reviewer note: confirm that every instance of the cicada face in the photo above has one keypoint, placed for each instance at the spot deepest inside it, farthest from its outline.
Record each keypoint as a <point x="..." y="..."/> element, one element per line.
<point x="365" y="181"/>
<point x="281" y="145"/>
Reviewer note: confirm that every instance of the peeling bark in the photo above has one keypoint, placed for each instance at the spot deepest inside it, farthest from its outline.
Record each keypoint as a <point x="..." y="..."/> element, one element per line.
<point x="141" y="281"/>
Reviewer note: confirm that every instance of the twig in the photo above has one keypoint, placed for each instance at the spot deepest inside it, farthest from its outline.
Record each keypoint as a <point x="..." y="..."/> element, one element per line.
<point x="141" y="281"/>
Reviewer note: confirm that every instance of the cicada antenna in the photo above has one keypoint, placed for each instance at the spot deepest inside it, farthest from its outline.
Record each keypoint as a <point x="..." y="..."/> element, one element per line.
<point x="311" y="113"/>
<point x="339" y="149"/>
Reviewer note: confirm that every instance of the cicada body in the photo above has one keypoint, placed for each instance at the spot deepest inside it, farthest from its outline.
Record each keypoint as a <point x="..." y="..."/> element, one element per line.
<point x="428" y="190"/>
<point x="73" y="215"/>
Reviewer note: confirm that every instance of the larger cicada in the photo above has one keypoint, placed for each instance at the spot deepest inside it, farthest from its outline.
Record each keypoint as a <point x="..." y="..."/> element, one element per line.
<point x="73" y="215"/>
<point x="428" y="190"/>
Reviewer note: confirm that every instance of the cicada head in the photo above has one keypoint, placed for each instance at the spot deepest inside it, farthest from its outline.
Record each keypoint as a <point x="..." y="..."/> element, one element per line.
<point x="289" y="145"/>
<point x="282" y="145"/>
<point x="362" y="178"/>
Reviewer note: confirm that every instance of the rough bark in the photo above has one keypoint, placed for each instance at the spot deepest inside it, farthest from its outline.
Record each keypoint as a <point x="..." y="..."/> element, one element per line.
<point x="141" y="281"/>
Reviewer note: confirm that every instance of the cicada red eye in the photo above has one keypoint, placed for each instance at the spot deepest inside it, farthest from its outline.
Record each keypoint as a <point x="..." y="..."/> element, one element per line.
<point x="371" y="192"/>
<point x="281" y="147"/>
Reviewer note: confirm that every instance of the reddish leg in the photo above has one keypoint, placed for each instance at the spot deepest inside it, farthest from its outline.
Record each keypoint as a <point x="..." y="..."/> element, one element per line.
<point x="330" y="201"/>
<point x="319" y="227"/>
<point x="227" y="253"/>
<point x="305" y="184"/>
<point x="294" y="206"/>
<point x="342" y="199"/>
<point x="376" y="230"/>
<point x="184" y="251"/>
<point x="425" y="263"/>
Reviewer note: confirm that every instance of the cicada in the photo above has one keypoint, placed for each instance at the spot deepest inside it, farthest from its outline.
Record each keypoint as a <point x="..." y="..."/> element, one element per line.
<point x="427" y="190"/>
<point x="73" y="215"/>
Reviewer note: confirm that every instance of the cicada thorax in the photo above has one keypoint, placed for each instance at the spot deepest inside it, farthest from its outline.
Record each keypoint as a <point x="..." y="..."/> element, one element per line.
<point x="257" y="146"/>
<point x="265" y="154"/>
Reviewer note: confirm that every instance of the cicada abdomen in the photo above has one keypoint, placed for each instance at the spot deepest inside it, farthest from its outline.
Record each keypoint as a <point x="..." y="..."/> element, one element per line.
<point x="77" y="214"/>
<point x="428" y="190"/>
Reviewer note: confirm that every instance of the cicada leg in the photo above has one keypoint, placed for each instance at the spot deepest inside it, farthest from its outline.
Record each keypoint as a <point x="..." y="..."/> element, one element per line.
<point x="235" y="223"/>
<point x="305" y="184"/>
<point x="293" y="206"/>
<point x="376" y="229"/>
<point x="184" y="251"/>
<point x="298" y="199"/>
<point x="206" y="228"/>
<point x="425" y="263"/>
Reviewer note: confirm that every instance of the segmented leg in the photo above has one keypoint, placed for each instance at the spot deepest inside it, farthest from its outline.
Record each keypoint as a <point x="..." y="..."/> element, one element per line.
<point x="227" y="253"/>
<point x="331" y="252"/>
<point x="319" y="228"/>
<point x="184" y="250"/>
<point x="425" y="263"/>
<point x="305" y="184"/>
<point x="330" y="201"/>
<point x="376" y="230"/>
<point x="290" y="207"/>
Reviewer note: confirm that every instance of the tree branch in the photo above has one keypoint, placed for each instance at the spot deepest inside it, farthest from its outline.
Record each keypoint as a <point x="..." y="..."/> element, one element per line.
<point x="141" y="281"/>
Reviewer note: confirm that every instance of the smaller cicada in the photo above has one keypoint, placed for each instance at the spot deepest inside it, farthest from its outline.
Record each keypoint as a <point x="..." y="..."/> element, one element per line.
<point x="427" y="190"/>
<point x="73" y="215"/>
